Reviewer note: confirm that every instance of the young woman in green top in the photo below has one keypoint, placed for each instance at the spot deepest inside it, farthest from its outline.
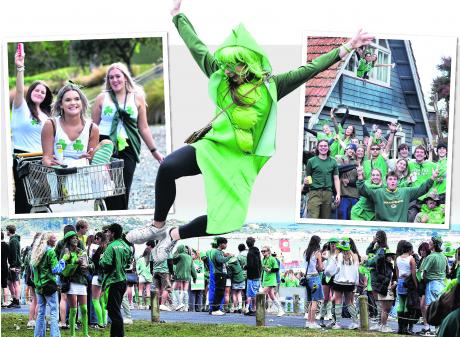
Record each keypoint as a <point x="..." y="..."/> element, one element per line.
<point x="45" y="266"/>
<point x="242" y="138"/>
<point x="145" y="278"/>
<point x="269" y="268"/>
<point x="77" y="265"/>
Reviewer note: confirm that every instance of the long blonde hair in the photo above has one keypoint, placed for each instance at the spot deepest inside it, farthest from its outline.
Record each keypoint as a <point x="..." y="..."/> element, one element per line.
<point x="39" y="248"/>
<point x="131" y="85"/>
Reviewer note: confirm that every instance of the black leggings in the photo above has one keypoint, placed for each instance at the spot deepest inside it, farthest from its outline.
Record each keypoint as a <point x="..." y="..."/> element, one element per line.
<point x="180" y="163"/>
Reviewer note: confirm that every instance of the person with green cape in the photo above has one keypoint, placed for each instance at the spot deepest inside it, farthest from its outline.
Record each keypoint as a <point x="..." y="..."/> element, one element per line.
<point x="242" y="137"/>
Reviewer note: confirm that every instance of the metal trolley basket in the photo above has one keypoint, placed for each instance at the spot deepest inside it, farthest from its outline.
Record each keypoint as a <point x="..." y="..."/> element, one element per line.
<point x="58" y="185"/>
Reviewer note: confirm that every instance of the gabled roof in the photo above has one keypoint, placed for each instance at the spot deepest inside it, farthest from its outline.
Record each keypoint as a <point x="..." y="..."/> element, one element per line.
<point x="318" y="88"/>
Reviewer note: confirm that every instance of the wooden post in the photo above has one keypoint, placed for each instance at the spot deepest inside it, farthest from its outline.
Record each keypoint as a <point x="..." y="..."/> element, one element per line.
<point x="296" y="303"/>
<point x="363" y="313"/>
<point x="154" y="307"/>
<point x="260" y="309"/>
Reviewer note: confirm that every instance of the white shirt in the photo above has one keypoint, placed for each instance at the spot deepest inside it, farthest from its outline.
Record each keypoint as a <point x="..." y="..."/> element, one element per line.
<point x="26" y="131"/>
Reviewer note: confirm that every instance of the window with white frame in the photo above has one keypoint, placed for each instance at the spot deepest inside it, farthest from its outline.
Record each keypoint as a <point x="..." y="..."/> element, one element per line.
<point x="380" y="73"/>
<point x="400" y="138"/>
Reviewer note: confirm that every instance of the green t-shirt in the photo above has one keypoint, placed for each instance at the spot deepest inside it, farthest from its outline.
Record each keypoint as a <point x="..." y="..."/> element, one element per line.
<point x="434" y="266"/>
<point x="378" y="163"/>
<point x="363" y="67"/>
<point x="160" y="267"/>
<point x="420" y="173"/>
<point x="321" y="172"/>
<point x="235" y="271"/>
<point x="199" y="284"/>
<point x="269" y="277"/>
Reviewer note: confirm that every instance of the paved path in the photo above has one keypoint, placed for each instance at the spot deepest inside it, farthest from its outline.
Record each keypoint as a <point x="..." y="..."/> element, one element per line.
<point x="292" y="320"/>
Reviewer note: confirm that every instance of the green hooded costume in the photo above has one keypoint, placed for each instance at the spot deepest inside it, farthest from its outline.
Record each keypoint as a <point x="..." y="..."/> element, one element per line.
<point x="242" y="139"/>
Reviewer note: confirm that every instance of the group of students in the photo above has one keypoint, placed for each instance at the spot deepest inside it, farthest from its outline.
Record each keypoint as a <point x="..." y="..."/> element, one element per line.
<point x="72" y="275"/>
<point x="401" y="281"/>
<point x="96" y="272"/>
<point x="58" y="127"/>
<point x="352" y="179"/>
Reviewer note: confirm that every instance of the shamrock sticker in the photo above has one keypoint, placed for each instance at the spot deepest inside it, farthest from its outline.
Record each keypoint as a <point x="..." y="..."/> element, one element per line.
<point x="34" y="122"/>
<point x="108" y="110"/>
<point x="78" y="145"/>
<point x="62" y="143"/>
<point x="129" y="111"/>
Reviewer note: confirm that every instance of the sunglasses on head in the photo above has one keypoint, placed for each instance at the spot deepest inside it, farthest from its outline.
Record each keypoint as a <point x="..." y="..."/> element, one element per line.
<point x="375" y="148"/>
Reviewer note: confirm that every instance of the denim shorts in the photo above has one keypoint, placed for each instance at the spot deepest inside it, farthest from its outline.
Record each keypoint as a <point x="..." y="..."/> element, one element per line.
<point x="433" y="290"/>
<point x="314" y="288"/>
<point x="401" y="287"/>
<point x="252" y="288"/>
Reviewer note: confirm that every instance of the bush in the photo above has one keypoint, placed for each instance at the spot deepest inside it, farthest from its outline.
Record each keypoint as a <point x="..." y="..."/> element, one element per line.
<point x="155" y="101"/>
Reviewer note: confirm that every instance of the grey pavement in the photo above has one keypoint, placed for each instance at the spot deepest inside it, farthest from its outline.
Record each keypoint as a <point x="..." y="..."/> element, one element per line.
<point x="289" y="320"/>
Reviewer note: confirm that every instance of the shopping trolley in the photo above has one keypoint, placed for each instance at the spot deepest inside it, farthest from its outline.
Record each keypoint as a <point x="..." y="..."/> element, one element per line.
<point x="46" y="185"/>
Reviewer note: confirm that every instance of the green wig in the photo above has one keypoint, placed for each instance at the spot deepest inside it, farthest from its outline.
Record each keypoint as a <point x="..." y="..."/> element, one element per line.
<point x="229" y="57"/>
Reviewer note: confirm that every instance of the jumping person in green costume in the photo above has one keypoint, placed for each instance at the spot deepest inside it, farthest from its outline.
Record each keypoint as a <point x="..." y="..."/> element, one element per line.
<point x="242" y="139"/>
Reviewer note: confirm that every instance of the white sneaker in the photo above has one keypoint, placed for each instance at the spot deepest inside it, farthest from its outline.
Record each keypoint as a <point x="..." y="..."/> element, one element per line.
<point x="281" y="313"/>
<point x="328" y="317"/>
<point x="180" y="306"/>
<point x="146" y="233"/>
<point x="218" y="313"/>
<point x="336" y="326"/>
<point x="31" y="324"/>
<point x="164" y="247"/>
<point x="127" y="321"/>
<point x="314" y="326"/>
<point x="318" y="316"/>
<point x="164" y="307"/>
<point x="305" y="316"/>
<point x="353" y="326"/>
<point x="375" y="327"/>
<point x="386" y="328"/>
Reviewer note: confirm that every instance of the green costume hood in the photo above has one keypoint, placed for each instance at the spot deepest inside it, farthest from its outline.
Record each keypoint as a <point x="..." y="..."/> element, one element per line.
<point x="240" y="37"/>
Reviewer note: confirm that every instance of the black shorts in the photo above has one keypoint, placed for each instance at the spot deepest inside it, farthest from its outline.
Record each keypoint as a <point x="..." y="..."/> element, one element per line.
<point x="343" y="287"/>
<point x="13" y="276"/>
<point x="325" y="283"/>
<point x="4" y="278"/>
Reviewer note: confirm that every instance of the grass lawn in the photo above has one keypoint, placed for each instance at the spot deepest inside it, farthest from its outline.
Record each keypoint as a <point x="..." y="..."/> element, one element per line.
<point x="145" y="328"/>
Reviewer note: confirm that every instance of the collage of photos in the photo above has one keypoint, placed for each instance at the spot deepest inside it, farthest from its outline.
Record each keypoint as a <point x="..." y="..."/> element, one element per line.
<point x="88" y="124"/>
<point x="376" y="144"/>
<point x="97" y="240"/>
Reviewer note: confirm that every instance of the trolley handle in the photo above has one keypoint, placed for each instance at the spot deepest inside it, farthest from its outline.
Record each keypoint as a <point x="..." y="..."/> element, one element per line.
<point x="29" y="154"/>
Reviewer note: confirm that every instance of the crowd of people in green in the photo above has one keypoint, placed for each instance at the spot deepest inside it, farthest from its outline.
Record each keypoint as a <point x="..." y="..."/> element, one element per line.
<point x="348" y="178"/>
<point x="94" y="277"/>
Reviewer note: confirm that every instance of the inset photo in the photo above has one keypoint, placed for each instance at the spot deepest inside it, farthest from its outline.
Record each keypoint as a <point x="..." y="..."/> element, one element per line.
<point x="376" y="133"/>
<point x="87" y="124"/>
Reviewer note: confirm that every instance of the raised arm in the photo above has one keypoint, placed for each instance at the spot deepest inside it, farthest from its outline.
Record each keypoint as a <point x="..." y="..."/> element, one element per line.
<point x="198" y="49"/>
<point x="362" y="188"/>
<point x="19" y="94"/>
<point x="288" y="82"/>
<point x="97" y="109"/>
<point x="345" y="117"/>
<point x="334" y="121"/>
<point x="393" y="127"/>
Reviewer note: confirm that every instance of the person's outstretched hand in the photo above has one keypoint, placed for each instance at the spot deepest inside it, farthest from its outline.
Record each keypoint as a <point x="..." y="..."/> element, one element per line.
<point x="176" y="7"/>
<point x="361" y="39"/>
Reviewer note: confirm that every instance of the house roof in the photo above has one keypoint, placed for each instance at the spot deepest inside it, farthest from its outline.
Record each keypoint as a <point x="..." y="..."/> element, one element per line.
<point x="318" y="88"/>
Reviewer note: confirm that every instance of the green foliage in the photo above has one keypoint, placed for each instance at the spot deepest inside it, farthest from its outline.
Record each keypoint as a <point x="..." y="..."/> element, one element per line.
<point x="96" y="52"/>
<point x="154" y="90"/>
<point x="441" y="84"/>
<point x="40" y="56"/>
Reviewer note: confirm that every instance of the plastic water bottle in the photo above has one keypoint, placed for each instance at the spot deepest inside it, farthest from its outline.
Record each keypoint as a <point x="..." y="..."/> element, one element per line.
<point x="289" y="305"/>
<point x="59" y="153"/>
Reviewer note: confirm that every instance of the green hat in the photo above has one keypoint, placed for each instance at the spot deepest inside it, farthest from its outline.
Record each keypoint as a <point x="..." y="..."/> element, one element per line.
<point x="344" y="245"/>
<point x="449" y="251"/>
<point x="333" y="240"/>
<point x="69" y="234"/>
<point x="437" y="239"/>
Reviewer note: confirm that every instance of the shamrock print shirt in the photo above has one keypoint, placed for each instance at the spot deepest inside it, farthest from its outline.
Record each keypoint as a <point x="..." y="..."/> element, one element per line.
<point x="108" y="111"/>
<point x="73" y="149"/>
